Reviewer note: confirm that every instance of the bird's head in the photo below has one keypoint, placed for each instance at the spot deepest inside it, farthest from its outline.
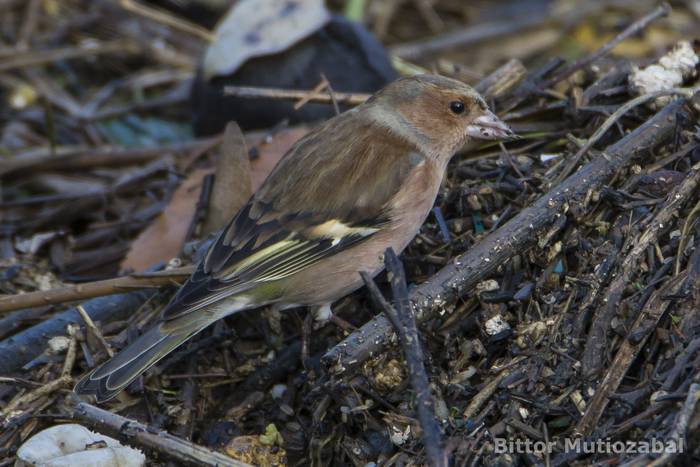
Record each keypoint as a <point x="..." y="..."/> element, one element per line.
<point x="437" y="114"/>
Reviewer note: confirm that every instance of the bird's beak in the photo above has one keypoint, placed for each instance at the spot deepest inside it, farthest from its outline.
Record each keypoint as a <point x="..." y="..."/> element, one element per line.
<point x="488" y="126"/>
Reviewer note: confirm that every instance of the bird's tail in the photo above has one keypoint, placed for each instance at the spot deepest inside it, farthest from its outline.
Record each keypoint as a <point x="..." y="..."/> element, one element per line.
<point x="118" y="372"/>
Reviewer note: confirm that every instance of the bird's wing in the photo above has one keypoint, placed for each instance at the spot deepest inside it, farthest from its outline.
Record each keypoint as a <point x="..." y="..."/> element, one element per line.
<point x="280" y="232"/>
<point x="261" y="246"/>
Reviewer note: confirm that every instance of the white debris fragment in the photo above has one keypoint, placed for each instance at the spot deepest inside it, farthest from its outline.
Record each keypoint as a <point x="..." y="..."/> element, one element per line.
<point x="278" y="391"/>
<point x="173" y="263"/>
<point x="398" y="436"/>
<point x="489" y="285"/>
<point x="463" y="376"/>
<point x="672" y="70"/>
<point x="22" y="97"/>
<point x="496" y="325"/>
<point x="524" y="413"/>
<point x="71" y="444"/>
<point x="549" y="157"/>
<point x="58" y="344"/>
<point x="32" y="245"/>
<point x="322" y="314"/>
<point x="657" y="395"/>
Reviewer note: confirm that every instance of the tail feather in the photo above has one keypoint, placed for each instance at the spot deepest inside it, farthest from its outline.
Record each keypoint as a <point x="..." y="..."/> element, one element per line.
<point x="105" y="381"/>
<point x="117" y="373"/>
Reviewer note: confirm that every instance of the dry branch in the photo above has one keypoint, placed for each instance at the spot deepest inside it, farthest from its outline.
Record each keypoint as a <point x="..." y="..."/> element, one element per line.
<point x="404" y="323"/>
<point x="465" y="36"/>
<point x="502" y="80"/>
<point x="680" y="430"/>
<point x="134" y="432"/>
<point x="72" y="293"/>
<point x="164" y="17"/>
<point x="80" y="158"/>
<point x="39" y="57"/>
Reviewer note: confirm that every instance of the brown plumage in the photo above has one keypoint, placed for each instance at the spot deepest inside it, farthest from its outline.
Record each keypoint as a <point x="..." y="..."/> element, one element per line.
<point x="359" y="183"/>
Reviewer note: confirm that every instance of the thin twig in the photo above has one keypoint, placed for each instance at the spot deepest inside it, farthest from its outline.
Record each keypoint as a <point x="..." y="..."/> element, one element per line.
<point x="661" y="11"/>
<point x="33" y="57"/>
<point x="78" y="292"/>
<point x="612" y="119"/>
<point x="430" y="16"/>
<point x="69" y="362"/>
<point x="167" y="19"/>
<point x="90" y="325"/>
<point x="331" y="93"/>
<point x="380" y="301"/>
<point x="404" y="322"/>
<point x="465" y="36"/>
<point x="415" y="360"/>
<point x="347" y="98"/>
<point x="318" y="89"/>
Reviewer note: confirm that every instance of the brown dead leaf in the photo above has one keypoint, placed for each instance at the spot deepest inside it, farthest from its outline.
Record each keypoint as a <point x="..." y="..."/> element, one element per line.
<point x="232" y="187"/>
<point x="163" y="238"/>
<point x="236" y="179"/>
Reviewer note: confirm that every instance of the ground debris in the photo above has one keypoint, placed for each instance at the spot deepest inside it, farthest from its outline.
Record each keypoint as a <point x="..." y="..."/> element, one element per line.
<point x="556" y="284"/>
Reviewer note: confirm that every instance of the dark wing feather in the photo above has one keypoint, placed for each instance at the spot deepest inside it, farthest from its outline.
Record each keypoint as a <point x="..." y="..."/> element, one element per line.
<point x="248" y="253"/>
<point x="302" y="214"/>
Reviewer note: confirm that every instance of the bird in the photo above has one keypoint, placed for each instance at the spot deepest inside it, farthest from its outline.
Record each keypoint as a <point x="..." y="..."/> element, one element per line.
<point x="359" y="183"/>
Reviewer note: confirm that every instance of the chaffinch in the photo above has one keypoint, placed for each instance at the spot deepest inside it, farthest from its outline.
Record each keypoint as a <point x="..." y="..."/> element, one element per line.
<point x="361" y="182"/>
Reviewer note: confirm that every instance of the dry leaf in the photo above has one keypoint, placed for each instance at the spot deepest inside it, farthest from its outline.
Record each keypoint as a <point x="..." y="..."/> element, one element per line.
<point x="232" y="186"/>
<point x="253" y="28"/>
<point x="227" y="197"/>
<point x="164" y="237"/>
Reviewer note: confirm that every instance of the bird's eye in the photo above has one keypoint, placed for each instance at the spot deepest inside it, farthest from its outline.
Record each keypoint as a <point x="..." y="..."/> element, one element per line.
<point x="457" y="107"/>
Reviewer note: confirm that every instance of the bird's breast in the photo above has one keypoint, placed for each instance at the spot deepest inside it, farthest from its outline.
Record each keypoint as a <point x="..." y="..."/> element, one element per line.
<point x="335" y="277"/>
<point x="412" y="203"/>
